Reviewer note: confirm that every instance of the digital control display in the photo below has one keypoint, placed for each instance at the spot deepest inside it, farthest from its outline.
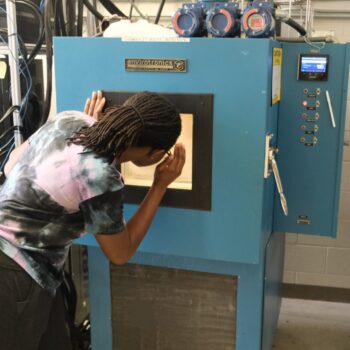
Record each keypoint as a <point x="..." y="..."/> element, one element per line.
<point x="314" y="64"/>
<point x="313" y="67"/>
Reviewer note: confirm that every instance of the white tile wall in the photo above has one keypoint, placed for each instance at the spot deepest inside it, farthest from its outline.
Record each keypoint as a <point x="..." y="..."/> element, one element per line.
<point x="338" y="261"/>
<point x="344" y="209"/>
<point x="289" y="277"/>
<point x="291" y="238"/>
<point x="305" y="258"/>
<point x="343" y="234"/>
<point x="316" y="241"/>
<point x="324" y="280"/>
<point x="342" y="240"/>
<point x="345" y="180"/>
<point x="347" y="125"/>
<point x="346" y="150"/>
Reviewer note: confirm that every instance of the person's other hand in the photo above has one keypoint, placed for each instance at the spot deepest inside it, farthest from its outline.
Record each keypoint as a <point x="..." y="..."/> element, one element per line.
<point x="171" y="167"/>
<point x="94" y="105"/>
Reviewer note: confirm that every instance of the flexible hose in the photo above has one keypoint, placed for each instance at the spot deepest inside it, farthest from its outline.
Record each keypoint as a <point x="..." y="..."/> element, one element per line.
<point x="294" y="24"/>
<point x="60" y="25"/>
<point x="92" y="9"/>
<point x="281" y="15"/>
<point x="80" y="18"/>
<point x="160" y="9"/>
<point x="71" y="17"/>
<point x="111" y="8"/>
<point x="58" y="31"/>
<point x="35" y="9"/>
<point x="9" y="112"/>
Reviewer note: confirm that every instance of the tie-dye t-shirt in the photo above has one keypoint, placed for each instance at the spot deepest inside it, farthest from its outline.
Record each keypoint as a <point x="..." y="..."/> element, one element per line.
<point x="56" y="192"/>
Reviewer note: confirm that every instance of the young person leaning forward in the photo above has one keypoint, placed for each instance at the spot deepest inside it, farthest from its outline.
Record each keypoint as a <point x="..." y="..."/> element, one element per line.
<point x="64" y="182"/>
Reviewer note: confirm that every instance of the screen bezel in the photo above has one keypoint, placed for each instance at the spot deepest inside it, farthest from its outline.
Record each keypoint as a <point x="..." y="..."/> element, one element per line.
<point x="313" y="76"/>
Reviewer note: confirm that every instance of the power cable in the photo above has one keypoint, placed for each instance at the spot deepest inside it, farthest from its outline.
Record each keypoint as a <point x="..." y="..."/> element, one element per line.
<point x="36" y="11"/>
<point x="92" y="9"/>
<point x="49" y="53"/>
<point x="112" y="8"/>
<point x="71" y="28"/>
<point x="160" y="10"/>
<point x="11" y="129"/>
<point x="57" y="15"/>
<point x="9" y="113"/>
<point x="80" y="18"/>
<point x="24" y="70"/>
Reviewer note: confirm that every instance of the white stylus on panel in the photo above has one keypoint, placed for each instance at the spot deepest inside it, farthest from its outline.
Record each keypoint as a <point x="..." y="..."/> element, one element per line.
<point x="330" y="108"/>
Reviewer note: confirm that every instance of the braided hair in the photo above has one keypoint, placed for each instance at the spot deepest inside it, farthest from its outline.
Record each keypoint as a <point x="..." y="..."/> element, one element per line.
<point x="144" y="120"/>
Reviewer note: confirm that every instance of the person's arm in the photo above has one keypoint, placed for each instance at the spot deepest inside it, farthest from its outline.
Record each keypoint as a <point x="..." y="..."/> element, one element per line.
<point x="14" y="157"/>
<point x="120" y="247"/>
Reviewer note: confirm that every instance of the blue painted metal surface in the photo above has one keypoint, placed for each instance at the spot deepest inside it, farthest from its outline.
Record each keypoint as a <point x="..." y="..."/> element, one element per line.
<point x="311" y="175"/>
<point x="100" y="300"/>
<point x="258" y="297"/>
<point x="249" y="295"/>
<point x="234" y="71"/>
<point x="230" y="239"/>
<point x="274" y="259"/>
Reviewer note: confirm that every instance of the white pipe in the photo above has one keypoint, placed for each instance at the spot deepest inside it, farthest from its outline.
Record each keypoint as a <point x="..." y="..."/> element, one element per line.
<point x="14" y="67"/>
<point x="290" y="8"/>
<point x="289" y="15"/>
<point x="91" y="22"/>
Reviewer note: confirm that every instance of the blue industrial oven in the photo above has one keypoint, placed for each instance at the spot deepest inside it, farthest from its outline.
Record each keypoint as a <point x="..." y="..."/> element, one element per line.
<point x="234" y="243"/>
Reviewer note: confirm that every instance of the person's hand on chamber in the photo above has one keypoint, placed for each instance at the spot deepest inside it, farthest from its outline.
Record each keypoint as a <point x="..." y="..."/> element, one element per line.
<point x="171" y="167"/>
<point x="95" y="105"/>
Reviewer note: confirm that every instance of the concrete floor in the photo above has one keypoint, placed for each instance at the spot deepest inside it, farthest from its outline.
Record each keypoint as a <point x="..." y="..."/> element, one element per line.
<point x="313" y="325"/>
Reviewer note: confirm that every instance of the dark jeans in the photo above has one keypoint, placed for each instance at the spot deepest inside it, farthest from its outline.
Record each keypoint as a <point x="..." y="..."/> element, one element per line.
<point x="30" y="319"/>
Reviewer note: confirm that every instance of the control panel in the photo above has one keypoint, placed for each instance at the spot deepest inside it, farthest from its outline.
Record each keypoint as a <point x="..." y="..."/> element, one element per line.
<point x="310" y="115"/>
<point x="310" y="136"/>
